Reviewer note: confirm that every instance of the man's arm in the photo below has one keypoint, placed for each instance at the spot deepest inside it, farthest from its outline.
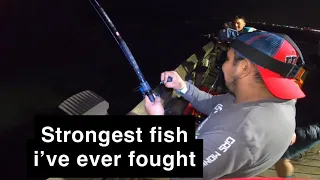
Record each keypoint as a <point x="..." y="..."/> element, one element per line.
<point x="311" y="132"/>
<point x="224" y="153"/>
<point x="202" y="101"/>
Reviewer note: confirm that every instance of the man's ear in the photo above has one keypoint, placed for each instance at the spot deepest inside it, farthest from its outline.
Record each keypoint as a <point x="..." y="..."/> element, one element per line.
<point x="245" y="67"/>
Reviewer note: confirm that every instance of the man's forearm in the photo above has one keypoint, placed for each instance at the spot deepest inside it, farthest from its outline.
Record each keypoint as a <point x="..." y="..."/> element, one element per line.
<point x="200" y="100"/>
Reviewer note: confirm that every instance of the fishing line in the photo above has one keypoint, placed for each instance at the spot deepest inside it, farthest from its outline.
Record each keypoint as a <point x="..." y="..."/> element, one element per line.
<point x="144" y="85"/>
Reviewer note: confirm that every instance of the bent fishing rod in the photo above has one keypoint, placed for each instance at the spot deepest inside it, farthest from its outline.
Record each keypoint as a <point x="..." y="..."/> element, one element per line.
<point x="144" y="85"/>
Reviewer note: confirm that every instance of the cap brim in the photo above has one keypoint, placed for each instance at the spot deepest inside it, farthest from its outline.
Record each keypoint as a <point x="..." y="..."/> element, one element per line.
<point x="280" y="87"/>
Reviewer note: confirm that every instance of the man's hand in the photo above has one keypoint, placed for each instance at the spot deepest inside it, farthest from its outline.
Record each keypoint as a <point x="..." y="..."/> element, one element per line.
<point x="155" y="108"/>
<point x="177" y="82"/>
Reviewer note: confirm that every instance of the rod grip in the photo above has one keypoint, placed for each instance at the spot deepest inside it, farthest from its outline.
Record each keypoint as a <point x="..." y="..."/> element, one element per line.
<point x="150" y="96"/>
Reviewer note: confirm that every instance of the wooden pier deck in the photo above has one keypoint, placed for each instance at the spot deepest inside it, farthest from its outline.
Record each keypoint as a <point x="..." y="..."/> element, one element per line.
<point x="308" y="166"/>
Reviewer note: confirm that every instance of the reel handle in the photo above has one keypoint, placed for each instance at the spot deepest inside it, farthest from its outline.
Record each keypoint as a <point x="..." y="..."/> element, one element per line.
<point x="168" y="80"/>
<point x="150" y="94"/>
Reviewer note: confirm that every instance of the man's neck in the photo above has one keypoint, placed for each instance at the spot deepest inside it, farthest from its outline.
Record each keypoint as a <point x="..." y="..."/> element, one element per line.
<point x="254" y="95"/>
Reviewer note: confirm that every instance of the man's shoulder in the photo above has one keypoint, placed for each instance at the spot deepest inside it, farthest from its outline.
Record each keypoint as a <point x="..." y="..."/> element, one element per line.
<point x="226" y="97"/>
<point x="272" y="112"/>
<point x="256" y="127"/>
<point x="269" y="125"/>
<point x="275" y="109"/>
<point x="265" y="123"/>
<point x="256" y="118"/>
<point x="252" y="117"/>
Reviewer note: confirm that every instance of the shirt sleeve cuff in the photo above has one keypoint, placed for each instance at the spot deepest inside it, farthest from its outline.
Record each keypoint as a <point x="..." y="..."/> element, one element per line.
<point x="183" y="90"/>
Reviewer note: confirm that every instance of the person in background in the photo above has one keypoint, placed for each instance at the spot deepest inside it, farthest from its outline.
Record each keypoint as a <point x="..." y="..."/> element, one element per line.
<point x="308" y="125"/>
<point x="240" y="25"/>
<point x="249" y="129"/>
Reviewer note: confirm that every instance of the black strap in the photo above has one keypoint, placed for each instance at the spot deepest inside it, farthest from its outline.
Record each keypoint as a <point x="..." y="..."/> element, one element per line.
<point x="263" y="60"/>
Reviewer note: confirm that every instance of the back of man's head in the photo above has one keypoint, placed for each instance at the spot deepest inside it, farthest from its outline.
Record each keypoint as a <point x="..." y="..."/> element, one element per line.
<point x="269" y="48"/>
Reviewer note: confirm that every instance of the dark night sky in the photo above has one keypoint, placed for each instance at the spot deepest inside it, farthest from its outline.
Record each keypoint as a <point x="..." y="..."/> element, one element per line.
<point x="273" y="11"/>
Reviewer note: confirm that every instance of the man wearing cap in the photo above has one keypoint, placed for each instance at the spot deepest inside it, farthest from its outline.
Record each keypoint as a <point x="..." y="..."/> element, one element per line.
<point x="247" y="130"/>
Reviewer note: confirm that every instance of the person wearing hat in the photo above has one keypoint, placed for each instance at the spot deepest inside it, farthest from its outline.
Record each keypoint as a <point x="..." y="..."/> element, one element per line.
<point x="248" y="129"/>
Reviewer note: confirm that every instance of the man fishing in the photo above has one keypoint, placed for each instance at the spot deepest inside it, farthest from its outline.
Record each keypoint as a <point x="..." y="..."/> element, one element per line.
<point x="249" y="129"/>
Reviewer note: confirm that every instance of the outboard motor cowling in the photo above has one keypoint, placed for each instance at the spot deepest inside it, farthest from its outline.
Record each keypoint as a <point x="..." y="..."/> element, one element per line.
<point x="85" y="103"/>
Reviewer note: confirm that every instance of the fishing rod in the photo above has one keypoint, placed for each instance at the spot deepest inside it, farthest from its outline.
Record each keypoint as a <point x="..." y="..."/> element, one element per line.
<point x="145" y="88"/>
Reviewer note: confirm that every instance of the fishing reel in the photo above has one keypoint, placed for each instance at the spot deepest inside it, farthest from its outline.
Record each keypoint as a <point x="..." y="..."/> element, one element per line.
<point x="144" y="93"/>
